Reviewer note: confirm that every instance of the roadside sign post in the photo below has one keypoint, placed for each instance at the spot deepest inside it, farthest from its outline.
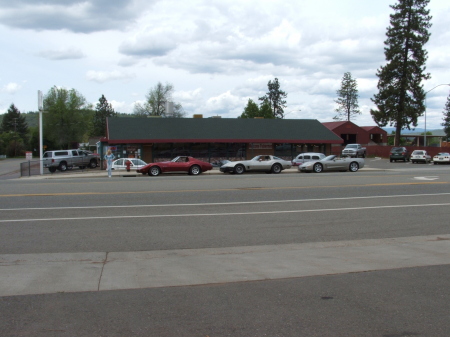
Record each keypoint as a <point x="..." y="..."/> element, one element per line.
<point x="41" y="143"/>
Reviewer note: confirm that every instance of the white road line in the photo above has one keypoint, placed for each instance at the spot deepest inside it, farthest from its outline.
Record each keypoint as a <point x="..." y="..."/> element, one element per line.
<point x="226" y="214"/>
<point x="226" y="203"/>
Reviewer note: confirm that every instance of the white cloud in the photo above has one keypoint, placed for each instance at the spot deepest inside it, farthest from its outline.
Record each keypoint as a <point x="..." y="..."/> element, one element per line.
<point x="105" y="76"/>
<point x="11" y="88"/>
<point x="62" y="54"/>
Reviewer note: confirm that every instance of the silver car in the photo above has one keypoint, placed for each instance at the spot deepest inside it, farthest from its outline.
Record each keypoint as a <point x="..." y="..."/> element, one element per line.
<point x="333" y="163"/>
<point x="267" y="163"/>
<point x="306" y="157"/>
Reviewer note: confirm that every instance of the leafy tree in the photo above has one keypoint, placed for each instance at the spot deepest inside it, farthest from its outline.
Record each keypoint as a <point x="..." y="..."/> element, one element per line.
<point x="103" y="110"/>
<point x="68" y="117"/>
<point x="446" y="118"/>
<point x="276" y="98"/>
<point x="155" y="104"/>
<point x="252" y="110"/>
<point x="400" y="100"/>
<point x="347" y="99"/>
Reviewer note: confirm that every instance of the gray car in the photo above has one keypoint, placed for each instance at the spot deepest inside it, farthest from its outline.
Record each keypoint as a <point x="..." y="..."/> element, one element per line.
<point x="266" y="163"/>
<point x="333" y="163"/>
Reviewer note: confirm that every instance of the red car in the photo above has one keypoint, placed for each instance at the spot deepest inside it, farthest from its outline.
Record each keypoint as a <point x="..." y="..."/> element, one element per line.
<point x="179" y="164"/>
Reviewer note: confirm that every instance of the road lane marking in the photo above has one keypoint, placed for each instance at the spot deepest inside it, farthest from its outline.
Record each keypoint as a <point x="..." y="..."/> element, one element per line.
<point x="226" y="203"/>
<point x="224" y="214"/>
<point x="218" y="190"/>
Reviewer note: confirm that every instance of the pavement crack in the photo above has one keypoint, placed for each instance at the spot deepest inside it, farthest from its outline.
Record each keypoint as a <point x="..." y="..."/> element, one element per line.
<point x="101" y="273"/>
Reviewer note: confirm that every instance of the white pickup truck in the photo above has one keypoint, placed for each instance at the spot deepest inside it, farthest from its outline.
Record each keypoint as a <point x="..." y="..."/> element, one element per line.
<point x="66" y="159"/>
<point x="354" y="150"/>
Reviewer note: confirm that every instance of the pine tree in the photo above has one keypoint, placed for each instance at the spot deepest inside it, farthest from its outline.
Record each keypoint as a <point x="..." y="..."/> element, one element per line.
<point x="15" y="129"/>
<point x="446" y="118"/>
<point x="400" y="100"/>
<point x="347" y="99"/>
<point x="276" y="98"/>
<point x="102" y="111"/>
<point x="14" y="122"/>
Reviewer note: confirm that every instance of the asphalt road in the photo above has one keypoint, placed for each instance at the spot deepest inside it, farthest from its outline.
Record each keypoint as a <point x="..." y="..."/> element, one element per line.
<point x="331" y="254"/>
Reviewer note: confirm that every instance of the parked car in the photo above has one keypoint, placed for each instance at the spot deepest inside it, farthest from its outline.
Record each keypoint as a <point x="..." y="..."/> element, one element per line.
<point x="441" y="158"/>
<point x="354" y="150"/>
<point x="399" y="153"/>
<point x="186" y="164"/>
<point x="67" y="159"/>
<point x="120" y="164"/>
<point x="420" y="156"/>
<point x="267" y="163"/>
<point x="333" y="163"/>
<point x="306" y="157"/>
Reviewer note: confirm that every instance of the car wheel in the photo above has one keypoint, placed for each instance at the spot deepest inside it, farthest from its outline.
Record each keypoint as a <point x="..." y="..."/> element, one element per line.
<point x="154" y="171"/>
<point x="92" y="164"/>
<point x="81" y="167"/>
<point x="364" y="155"/>
<point x="195" y="170"/>
<point x="62" y="166"/>
<point x="52" y="169"/>
<point x="353" y="166"/>
<point x="317" y="168"/>
<point x="391" y="160"/>
<point x="239" y="169"/>
<point x="276" y="168"/>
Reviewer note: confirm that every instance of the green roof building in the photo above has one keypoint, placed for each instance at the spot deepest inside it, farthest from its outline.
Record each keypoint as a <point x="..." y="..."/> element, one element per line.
<point x="212" y="139"/>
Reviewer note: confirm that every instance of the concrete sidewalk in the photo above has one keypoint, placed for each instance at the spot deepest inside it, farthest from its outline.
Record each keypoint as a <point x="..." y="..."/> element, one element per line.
<point x="123" y="174"/>
<point x="24" y="274"/>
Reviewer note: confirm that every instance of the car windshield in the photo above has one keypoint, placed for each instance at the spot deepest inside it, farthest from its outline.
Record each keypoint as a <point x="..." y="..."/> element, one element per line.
<point x="397" y="149"/>
<point x="418" y="152"/>
<point x="330" y="157"/>
<point x="443" y="154"/>
<point x="352" y="146"/>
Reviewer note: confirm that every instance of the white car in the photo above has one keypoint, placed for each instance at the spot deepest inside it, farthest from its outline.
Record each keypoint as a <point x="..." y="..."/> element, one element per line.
<point x="266" y="163"/>
<point x="306" y="157"/>
<point x="441" y="157"/>
<point x="119" y="164"/>
<point x="420" y="156"/>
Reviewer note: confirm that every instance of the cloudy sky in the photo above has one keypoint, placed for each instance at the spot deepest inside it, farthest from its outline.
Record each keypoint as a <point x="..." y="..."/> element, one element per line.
<point x="217" y="54"/>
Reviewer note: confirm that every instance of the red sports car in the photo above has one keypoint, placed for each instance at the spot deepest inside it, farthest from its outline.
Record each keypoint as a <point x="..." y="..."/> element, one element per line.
<point x="179" y="164"/>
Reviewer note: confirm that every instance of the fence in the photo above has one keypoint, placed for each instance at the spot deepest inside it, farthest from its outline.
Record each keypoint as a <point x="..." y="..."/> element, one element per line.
<point x="32" y="167"/>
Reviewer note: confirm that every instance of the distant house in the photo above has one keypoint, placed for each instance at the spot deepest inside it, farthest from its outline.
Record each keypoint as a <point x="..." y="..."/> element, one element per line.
<point x="211" y="139"/>
<point x="352" y="133"/>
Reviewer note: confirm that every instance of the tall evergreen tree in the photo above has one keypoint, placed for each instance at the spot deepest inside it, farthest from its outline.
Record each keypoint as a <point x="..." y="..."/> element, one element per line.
<point x="400" y="100"/>
<point x="446" y="118"/>
<point x="103" y="110"/>
<point x="13" y="121"/>
<point x="276" y="98"/>
<point x="347" y="100"/>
